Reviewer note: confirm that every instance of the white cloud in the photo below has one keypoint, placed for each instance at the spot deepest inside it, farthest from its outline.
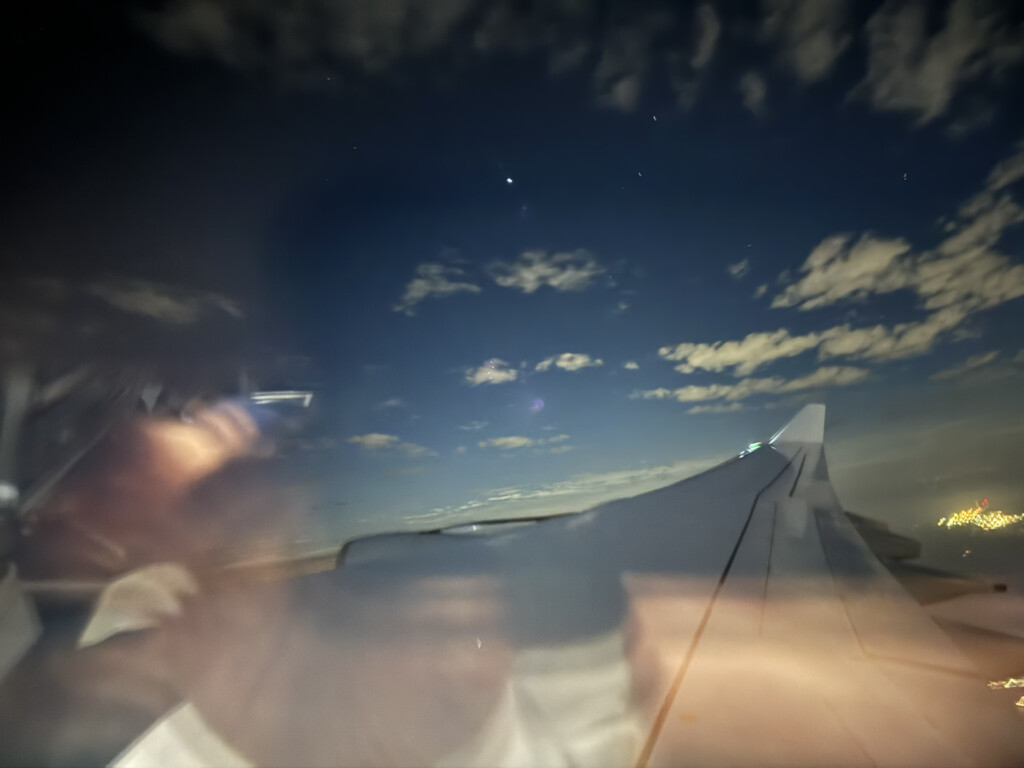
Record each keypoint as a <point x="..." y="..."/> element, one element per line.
<point x="375" y="441"/>
<point x="163" y="303"/>
<point x="761" y="290"/>
<point x="840" y="269"/>
<point x="961" y="275"/>
<point x="305" y="43"/>
<point x="631" y="366"/>
<point x="556" y="449"/>
<point x="565" y="271"/>
<point x="394" y="402"/>
<point x="708" y="30"/>
<point x="745" y="356"/>
<point x="876" y="342"/>
<point x="754" y="91"/>
<point x="829" y="376"/>
<point x="910" y="71"/>
<point x="569" y="361"/>
<point x="492" y="372"/>
<point x="512" y="442"/>
<point x="971" y="363"/>
<point x="507" y="443"/>
<point x="432" y="280"/>
<point x="739" y="270"/>
<point x="461" y="449"/>
<point x="473" y="426"/>
<point x="625" y="60"/>
<point x="723" y="408"/>
<point x="686" y="72"/>
<point x="811" y="36"/>
<point x="1008" y="171"/>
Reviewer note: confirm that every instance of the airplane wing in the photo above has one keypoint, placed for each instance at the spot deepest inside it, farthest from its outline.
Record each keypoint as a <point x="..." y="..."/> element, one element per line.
<point x="734" y="618"/>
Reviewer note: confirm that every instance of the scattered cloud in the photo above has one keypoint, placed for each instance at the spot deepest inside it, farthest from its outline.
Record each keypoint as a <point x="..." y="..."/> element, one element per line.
<point x="309" y="43"/>
<point x="810" y="36"/>
<point x="394" y="402"/>
<point x="461" y="449"/>
<point x="912" y="71"/>
<point x="1007" y="171"/>
<point x="686" y="72"/>
<point x="473" y="426"/>
<point x="164" y="303"/>
<point x="432" y="280"/>
<point x="1019" y="358"/>
<point x="494" y="371"/>
<point x="557" y="449"/>
<point x="507" y="443"/>
<point x="517" y="441"/>
<point x="761" y="290"/>
<point x="564" y="271"/>
<point x="754" y="91"/>
<point x="876" y="342"/>
<point x="569" y="361"/>
<point x="620" y="46"/>
<point x="970" y="364"/>
<point x="975" y="117"/>
<point x="745" y="356"/>
<point x="739" y="270"/>
<point x="708" y="30"/>
<point x="723" y="408"/>
<point x="631" y="366"/>
<point x="840" y="268"/>
<point x="625" y="59"/>
<point x="829" y="376"/>
<point x="375" y="441"/>
<point x="961" y="275"/>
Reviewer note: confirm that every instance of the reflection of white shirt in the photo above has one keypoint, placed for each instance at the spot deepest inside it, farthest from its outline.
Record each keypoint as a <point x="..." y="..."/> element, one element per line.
<point x="563" y="705"/>
<point x="180" y="738"/>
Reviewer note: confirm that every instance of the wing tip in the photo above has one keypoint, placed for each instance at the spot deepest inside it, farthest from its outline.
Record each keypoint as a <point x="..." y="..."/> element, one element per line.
<point x="808" y="426"/>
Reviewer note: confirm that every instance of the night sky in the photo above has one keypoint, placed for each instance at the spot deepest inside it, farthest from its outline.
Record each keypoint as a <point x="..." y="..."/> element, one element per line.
<point x="546" y="254"/>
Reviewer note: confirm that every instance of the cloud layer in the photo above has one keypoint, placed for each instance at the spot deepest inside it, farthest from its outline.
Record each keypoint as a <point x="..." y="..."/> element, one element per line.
<point x="917" y="56"/>
<point x="494" y="371"/>
<point x="512" y="442"/>
<point x="565" y="271"/>
<point x="569" y="361"/>
<point x="377" y="442"/>
<point x="829" y="376"/>
<point x="433" y="280"/>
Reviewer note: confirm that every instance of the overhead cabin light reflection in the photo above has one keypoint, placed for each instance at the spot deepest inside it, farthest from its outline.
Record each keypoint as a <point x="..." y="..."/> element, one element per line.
<point x="283" y="396"/>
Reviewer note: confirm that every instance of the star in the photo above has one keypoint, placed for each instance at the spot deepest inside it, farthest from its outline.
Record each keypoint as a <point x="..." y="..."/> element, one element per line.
<point x="508" y="180"/>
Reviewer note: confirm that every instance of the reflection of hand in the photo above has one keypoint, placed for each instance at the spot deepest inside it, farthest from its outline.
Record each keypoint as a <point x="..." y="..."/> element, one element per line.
<point x="188" y="452"/>
<point x="118" y="511"/>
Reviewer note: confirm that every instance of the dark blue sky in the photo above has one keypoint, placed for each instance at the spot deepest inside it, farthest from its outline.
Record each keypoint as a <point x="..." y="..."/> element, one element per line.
<point x="680" y="175"/>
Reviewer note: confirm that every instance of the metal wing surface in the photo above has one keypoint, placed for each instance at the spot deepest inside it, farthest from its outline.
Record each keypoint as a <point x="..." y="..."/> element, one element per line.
<point x="734" y="618"/>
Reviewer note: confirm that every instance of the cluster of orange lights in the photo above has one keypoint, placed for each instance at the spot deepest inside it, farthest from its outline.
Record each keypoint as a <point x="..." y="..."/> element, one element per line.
<point x="1012" y="682"/>
<point x="981" y="516"/>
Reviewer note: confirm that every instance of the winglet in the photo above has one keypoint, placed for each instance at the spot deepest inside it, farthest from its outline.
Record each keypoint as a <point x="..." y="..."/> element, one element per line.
<point x="808" y="426"/>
